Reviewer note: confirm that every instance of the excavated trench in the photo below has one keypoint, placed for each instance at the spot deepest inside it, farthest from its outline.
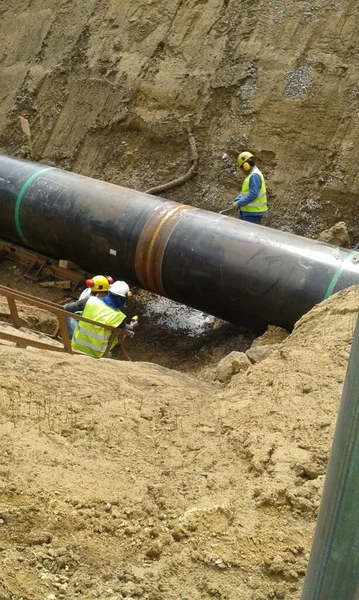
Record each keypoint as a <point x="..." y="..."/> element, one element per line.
<point x="169" y="334"/>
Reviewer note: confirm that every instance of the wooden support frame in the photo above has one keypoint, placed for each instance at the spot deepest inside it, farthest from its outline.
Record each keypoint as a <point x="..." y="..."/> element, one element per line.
<point x="13" y="312"/>
<point x="28" y="257"/>
<point x="34" y="270"/>
<point x="13" y="295"/>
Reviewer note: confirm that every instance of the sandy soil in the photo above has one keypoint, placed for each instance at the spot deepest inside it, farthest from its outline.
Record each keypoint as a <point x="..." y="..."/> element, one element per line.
<point x="129" y="480"/>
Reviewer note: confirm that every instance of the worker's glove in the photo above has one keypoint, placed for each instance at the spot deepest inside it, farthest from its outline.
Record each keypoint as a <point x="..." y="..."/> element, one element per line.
<point x="239" y="197"/>
<point x="134" y="322"/>
<point x="235" y="203"/>
<point x="130" y="333"/>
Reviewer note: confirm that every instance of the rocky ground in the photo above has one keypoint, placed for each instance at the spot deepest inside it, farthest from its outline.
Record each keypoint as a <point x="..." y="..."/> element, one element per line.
<point x="130" y="480"/>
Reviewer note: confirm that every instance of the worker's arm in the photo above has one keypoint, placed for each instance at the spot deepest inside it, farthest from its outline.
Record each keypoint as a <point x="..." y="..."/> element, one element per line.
<point x="126" y="327"/>
<point x="255" y="184"/>
<point x="129" y="327"/>
<point x="76" y="306"/>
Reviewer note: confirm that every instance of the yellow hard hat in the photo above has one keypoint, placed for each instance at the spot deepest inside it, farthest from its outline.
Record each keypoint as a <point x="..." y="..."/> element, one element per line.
<point x="100" y="283"/>
<point x="242" y="160"/>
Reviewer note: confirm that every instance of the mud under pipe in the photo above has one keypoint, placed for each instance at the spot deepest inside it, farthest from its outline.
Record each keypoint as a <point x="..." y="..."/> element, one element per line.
<point x="234" y="270"/>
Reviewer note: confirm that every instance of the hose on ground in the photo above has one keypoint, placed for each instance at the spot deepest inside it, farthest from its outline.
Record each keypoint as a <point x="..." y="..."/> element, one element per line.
<point x="186" y="177"/>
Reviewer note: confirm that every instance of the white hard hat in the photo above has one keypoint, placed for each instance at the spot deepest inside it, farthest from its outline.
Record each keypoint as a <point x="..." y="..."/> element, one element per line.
<point x="120" y="288"/>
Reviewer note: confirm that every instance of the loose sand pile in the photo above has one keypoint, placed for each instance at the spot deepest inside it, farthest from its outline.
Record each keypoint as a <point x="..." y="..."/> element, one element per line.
<point x="129" y="480"/>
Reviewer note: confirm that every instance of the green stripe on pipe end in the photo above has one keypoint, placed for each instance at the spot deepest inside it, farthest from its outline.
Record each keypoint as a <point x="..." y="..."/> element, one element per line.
<point x="337" y="274"/>
<point x="20" y="197"/>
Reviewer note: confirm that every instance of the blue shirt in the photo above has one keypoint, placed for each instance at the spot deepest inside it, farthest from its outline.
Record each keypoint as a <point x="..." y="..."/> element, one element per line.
<point x="115" y="302"/>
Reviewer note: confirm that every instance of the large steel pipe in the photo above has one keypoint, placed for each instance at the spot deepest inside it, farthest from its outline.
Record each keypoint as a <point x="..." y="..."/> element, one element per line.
<point x="333" y="569"/>
<point x="223" y="266"/>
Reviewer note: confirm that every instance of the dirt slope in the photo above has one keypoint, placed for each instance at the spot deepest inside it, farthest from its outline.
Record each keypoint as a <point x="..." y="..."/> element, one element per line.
<point x="126" y="480"/>
<point x="112" y="85"/>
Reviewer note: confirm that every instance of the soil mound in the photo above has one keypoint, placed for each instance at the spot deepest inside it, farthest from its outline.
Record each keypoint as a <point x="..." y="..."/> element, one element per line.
<point x="129" y="480"/>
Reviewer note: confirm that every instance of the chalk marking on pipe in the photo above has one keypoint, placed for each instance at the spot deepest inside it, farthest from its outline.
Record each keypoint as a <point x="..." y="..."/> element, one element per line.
<point x="337" y="274"/>
<point x="19" y="198"/>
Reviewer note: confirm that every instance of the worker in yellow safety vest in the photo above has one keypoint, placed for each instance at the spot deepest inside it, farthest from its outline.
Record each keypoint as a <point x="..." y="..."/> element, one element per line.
<point x="252" y="201"/>
<point x="93" y="339"/>
<point x="97" y="286"/>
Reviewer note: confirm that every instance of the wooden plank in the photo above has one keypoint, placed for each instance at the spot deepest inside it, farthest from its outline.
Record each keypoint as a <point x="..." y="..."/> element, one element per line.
<point x="51" y="306"/>
<point x="67" y="264"/>
<point x="12" y="295"/>
<point x="64" y="333"/>
<point x="24" y="342"/>
<point x="61" y="285"/>
<point x="46" y="304"/>
<point x="110" y="342"/>
<point x="16" y="321"/>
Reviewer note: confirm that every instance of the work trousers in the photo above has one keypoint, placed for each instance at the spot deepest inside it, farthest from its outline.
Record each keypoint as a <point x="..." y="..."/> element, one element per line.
<point x="251" y="218"/>
<point x="71" y="325"/>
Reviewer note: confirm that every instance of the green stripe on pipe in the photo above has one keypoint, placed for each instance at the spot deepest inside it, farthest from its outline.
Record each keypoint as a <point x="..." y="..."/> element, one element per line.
<point x="337" y="274"/>
<point x="19" y="198"/>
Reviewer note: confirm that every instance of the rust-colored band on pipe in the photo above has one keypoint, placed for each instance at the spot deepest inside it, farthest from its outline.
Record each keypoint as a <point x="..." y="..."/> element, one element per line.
<point x="152" y="245"/>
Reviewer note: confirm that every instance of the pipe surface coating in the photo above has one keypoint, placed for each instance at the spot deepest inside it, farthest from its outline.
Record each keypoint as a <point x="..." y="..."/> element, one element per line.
<point x="333" y="569"/>
<point x="237" y="271"/>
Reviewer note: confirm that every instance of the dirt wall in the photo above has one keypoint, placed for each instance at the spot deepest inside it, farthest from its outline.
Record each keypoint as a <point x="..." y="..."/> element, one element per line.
<point x="111" y="87"/>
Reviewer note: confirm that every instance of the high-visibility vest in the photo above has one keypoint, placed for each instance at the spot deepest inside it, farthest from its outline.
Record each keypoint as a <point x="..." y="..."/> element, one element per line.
<point x="259" y="205"/>
<point x="93" y="339"/>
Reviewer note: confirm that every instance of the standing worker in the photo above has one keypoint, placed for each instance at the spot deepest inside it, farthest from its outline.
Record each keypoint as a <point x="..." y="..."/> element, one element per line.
<point x="252" y="201"/>
<point x="93" y="339"/>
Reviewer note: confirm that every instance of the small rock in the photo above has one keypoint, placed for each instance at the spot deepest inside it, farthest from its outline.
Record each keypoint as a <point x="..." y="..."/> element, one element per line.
<point x="154" y="533"/>
<point x="155" y="596"/>
<point x="277" y="565"/>
<point x="235" y="362"/>
<point x="259" y="353"/>
<point x="38" y="539"/>
<point x="336" y="235"/>
<point x="273" y="335"/>
<point x="154" y="551"/>
<point x="178" y="534"/>
<point x="129" y="589"/>
<point x="311" y="471"/>
<point x="292" y="573"/>
<point x="306" y="388"/>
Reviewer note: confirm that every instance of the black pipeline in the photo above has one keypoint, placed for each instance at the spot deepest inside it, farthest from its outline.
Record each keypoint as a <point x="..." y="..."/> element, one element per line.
<point x="234" y="270"/>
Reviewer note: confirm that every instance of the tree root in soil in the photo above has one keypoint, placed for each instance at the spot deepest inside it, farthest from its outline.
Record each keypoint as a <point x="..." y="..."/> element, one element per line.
<point x="186" y="177"/>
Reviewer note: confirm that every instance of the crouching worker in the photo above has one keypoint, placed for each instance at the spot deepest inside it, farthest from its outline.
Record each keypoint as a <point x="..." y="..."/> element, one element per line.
<point x="97" y="286"/>
<point x="93" y="339"/>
